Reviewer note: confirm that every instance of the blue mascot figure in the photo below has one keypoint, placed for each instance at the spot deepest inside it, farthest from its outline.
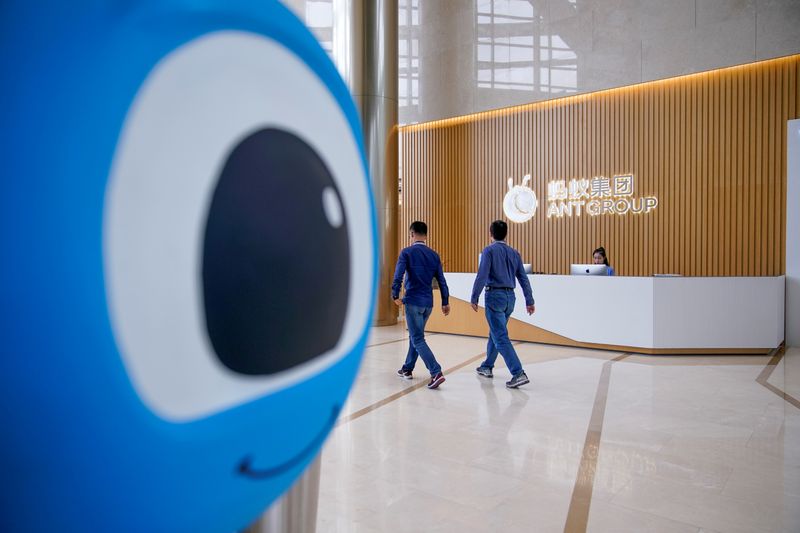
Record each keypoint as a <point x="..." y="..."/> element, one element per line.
<point x="188" y="261"/>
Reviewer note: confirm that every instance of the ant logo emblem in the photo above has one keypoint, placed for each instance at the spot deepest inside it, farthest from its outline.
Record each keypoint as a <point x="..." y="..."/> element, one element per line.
<point x="520" y="202"/>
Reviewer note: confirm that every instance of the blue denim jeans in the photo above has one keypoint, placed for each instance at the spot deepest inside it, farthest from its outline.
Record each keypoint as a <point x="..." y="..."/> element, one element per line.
<point x="416" y="317"/>
<point x="499" y="305"/>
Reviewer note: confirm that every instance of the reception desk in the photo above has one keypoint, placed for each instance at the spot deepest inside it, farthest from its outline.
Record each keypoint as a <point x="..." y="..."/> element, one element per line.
<point x="659" y="315"/>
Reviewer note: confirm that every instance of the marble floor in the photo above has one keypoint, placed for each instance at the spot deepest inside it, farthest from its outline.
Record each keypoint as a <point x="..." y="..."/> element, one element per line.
<point x="598" y="441"/>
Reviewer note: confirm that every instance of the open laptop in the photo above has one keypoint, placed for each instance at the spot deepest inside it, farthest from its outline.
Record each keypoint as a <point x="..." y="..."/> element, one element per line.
<point x="588" y="270"/>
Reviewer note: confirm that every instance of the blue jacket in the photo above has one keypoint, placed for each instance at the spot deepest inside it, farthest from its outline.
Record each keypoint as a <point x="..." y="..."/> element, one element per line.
<point x="500" y="264"/>
<point x="420" y="264"/>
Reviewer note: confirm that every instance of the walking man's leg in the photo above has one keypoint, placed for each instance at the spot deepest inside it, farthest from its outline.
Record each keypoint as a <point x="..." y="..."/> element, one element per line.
<point x="485" y="369"/>
<point x="416" y="317"/>
<point x="498" y="313"/>
<point x="411" y="360"/>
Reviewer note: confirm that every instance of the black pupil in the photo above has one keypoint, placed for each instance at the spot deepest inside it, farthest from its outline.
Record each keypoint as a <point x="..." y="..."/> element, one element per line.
<point x="276" y="264"/>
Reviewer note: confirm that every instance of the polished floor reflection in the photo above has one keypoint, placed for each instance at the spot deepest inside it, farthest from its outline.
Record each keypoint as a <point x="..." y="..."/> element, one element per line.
<point x="598" y="441"/>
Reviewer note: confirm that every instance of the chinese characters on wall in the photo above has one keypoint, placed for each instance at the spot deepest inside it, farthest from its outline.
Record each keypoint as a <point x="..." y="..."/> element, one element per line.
<point x="596" y="196"/>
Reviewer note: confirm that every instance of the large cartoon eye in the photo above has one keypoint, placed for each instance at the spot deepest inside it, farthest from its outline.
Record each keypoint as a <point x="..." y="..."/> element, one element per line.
<point x="237" y="233"/>
<point x="276" y="250"/>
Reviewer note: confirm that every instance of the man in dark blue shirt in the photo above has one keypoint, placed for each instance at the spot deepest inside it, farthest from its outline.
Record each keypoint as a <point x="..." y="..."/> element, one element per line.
<point x="420" y="265"/>
<point x="499" y="265"/>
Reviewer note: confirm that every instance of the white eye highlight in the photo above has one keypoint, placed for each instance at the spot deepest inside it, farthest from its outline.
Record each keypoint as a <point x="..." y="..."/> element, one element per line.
<point x="332" y="207"/>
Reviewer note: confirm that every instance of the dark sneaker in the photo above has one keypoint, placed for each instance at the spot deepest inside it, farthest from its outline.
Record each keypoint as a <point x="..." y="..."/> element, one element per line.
<point x="518" y="380"/>
<point x="484" y="371"/>
<point x="436" y="380"/>
<point x="405" y="374"/>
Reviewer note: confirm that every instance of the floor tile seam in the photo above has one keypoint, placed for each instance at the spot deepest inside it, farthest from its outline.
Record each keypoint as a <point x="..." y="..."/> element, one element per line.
<point x="763" y="378"/>
<point x="676" y="460"/>
<point x="750" y="439"/>
<point x="720" y="496"/>
<point x="621" y="356"/>
<point x="579" y="350"/>
<point x="774" y="494"/>
<point x="380" y="403"/>
<point x="712" y="491"/>
<point x="666" y="515"/>
<point x="656" y="515"/>
<point x="523" y="478"/>
<point x="775" y="357"/>
<point x="405" y="338"/>
<point x="728" y="477"/>
<point x="418" y="485"/>
<point x="449" y="498"/>
<point x="580" y="502"/>
<point x="621" y="489"/>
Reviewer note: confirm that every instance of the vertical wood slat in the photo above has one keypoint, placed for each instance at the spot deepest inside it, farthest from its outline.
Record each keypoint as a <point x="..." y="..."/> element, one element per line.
<point x="711" y="146"/>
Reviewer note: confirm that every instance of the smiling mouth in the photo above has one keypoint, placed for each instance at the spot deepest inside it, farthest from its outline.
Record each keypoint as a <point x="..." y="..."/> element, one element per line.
<point x="246" y="469"/>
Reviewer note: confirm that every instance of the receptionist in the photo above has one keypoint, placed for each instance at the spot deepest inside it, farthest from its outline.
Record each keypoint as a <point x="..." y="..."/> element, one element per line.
<point x="600" y="258"/>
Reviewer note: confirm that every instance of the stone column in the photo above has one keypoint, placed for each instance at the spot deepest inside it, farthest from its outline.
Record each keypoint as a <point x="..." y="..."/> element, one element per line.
<point x="365" y="52"/>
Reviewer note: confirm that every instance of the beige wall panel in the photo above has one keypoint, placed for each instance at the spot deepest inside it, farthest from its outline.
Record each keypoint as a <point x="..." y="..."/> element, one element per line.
<point x="710" y="146"/>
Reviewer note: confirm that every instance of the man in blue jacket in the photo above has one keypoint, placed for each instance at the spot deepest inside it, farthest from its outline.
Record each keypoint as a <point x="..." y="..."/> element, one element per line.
<point x="420" y="265"/>
<point x="499" y="265"/>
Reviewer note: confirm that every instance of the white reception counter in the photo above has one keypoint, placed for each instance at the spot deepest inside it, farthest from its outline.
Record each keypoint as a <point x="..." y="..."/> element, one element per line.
<point x="647" y="315"/>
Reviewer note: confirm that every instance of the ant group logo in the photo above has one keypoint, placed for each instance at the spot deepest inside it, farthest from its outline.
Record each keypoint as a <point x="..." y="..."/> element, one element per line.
<point x="189" y="265"/>
<point x="520" y="202"/>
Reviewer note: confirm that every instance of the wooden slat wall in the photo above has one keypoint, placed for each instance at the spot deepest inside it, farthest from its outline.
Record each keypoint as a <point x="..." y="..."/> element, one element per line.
<point x="710" y="146"/>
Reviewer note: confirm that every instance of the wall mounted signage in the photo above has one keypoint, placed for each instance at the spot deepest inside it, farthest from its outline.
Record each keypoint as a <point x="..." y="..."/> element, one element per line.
<point x="595" y="197"/>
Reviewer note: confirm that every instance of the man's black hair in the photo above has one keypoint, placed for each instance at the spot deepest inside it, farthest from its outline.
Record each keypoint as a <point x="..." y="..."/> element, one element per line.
<point x="499" y="230"/>
<point x="420" y="228"/>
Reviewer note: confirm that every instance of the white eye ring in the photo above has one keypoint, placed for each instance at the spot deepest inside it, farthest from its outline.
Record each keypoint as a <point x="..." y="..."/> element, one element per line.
<point x="195" y="105"/>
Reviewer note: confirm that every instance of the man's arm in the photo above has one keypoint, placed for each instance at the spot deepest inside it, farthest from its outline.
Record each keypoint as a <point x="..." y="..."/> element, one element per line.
<point x="480" y="279"/>
<point x="443" y="289"/>
<point x="397" y="282"/>
<point x="522" y="277"/>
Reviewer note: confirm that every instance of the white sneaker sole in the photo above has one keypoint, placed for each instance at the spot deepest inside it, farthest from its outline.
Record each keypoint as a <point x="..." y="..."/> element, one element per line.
<point x="517" y="385"/>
